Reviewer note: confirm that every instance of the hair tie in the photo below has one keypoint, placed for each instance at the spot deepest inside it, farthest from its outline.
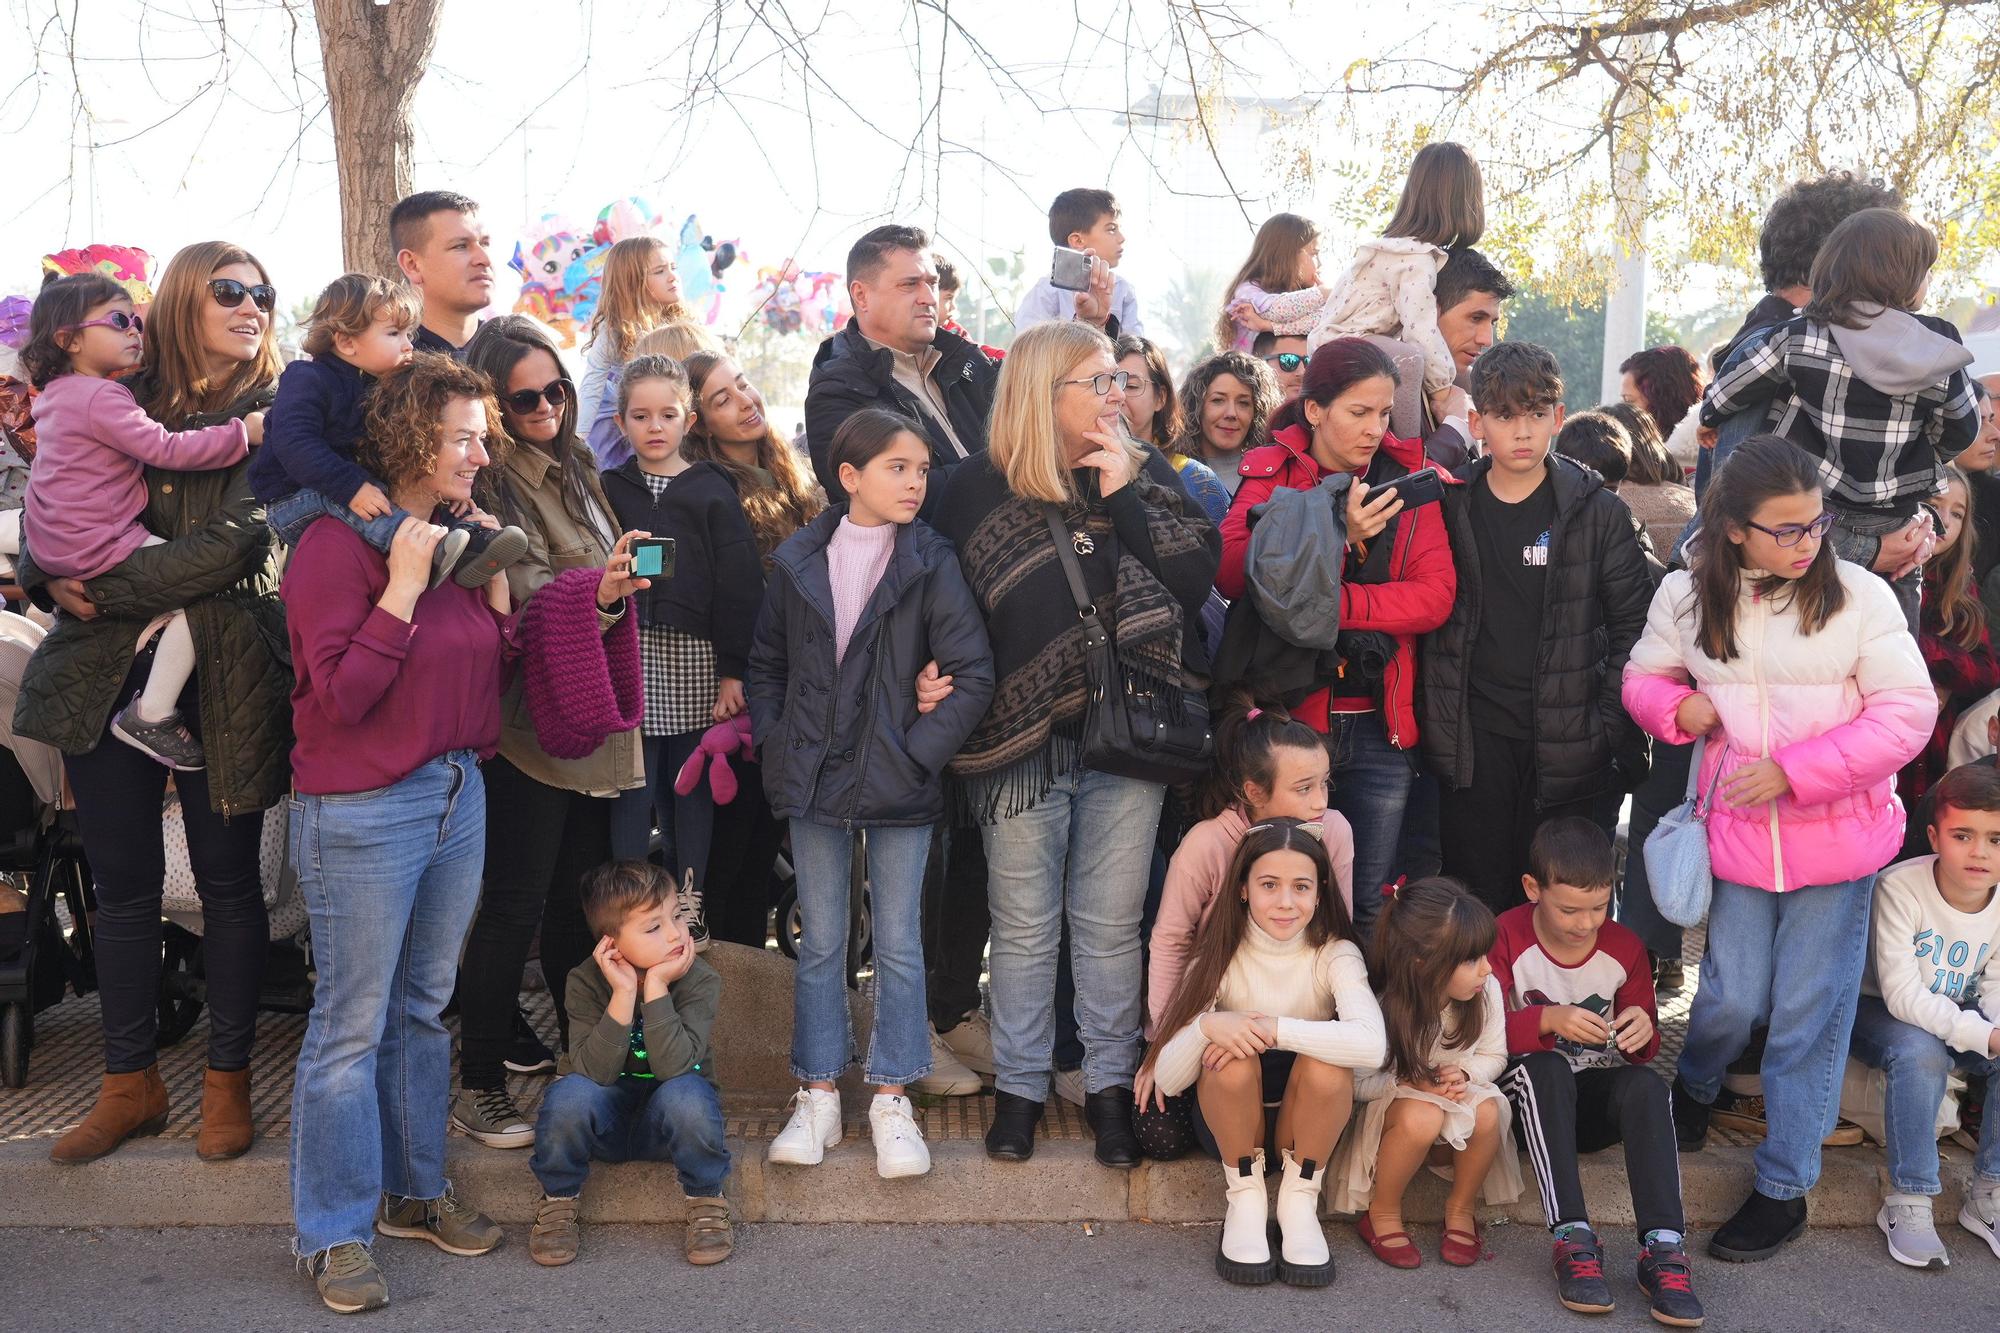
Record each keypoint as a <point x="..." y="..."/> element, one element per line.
<point x="1253" y="715"/>
<point x="1390" y="889"/>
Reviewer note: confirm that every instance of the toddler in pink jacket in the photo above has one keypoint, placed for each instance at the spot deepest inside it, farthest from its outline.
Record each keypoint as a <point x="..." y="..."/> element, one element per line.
<point x="87" y="487"/>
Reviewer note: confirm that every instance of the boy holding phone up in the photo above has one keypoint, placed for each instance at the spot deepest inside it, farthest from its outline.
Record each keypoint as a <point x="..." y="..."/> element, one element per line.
<point x="1582" y="1023"/>
<point x="1522" y="720"/>
<point x="1083" y="219"/>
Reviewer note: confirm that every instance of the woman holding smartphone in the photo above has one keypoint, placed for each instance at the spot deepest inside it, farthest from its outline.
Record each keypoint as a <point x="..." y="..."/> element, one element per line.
<point x="1397" y="583"/>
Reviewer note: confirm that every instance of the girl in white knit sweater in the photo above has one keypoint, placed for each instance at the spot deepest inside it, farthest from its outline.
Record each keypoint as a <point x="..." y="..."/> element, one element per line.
<point x="1275" y="1002"/>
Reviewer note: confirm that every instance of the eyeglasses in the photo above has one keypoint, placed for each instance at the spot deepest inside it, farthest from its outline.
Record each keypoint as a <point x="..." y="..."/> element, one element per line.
<point x="117" y="319"/>
<point x="229" y="293"/>
<point x="1101" y="384"/>
<point x="1285" y="361"/>
<point x="558" y="392"/>
<point x="1791" y="534"/>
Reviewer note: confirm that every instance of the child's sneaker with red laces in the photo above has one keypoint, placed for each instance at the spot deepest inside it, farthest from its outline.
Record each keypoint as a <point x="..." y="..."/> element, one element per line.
<point x="1579" y="1265"/>
<point x="1668" y="1281"/>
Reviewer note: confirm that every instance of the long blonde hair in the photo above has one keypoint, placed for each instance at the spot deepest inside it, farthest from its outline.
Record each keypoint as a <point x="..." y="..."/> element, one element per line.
<point x="1022" y="436"/>
<point x="625" y="313"/>
<point x="677" y="339"/>
<point x="175" y="376"/>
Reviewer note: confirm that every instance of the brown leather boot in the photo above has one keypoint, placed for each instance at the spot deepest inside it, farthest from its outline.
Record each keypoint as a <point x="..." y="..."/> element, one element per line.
<point x="128" y="1105"/>
<point x="225" y="1115"/>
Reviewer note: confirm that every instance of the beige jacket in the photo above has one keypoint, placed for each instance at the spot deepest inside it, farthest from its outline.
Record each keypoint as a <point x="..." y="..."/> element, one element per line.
<point x="1391" y="289"/>
<point x="557" y="542"/>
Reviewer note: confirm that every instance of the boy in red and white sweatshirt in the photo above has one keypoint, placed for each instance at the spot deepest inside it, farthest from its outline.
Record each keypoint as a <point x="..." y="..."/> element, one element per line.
<point x="1582" y="1023"/>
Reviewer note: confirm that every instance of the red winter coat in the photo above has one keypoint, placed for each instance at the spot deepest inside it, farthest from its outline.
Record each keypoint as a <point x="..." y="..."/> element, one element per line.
<point x="1415" y="601"/>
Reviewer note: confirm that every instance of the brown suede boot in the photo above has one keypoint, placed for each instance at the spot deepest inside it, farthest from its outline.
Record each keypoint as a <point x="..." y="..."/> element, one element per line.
<point x="128" y="1105"/>
<point x="225" y="1115"/>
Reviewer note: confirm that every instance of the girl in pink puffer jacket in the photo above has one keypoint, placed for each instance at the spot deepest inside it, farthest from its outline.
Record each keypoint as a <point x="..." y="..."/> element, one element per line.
<point x="1800" y="671"/>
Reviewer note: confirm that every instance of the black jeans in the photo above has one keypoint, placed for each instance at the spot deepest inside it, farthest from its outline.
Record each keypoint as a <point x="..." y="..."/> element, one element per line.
<point x="1665" y="785"/>
<point x="956" y="923"/>
<point x="1486" y="828"/>
<point x="1560" y="1112"/>
<point x="119" y="793"/>
<point x="540" y="842"/>
<point x="742" y="862"/>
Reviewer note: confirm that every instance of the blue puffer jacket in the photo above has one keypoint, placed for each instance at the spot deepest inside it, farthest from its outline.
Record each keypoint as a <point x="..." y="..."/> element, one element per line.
<point x="843" y="745"/>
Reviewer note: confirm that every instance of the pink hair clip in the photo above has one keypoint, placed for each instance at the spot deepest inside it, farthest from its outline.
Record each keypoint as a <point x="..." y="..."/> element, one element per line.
<point x="1253" y="715"/>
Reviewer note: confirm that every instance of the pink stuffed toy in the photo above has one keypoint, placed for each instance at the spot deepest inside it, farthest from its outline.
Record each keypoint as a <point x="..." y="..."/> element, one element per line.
<point x="717" y="744"/>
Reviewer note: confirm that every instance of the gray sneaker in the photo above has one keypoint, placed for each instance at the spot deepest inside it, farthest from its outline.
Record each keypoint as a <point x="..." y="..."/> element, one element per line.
<point x="348" y="1280"/>
<point x="490" y="1116"/>
<point x="1913" y="1239"/>
<point x="445" y="555"/>
<point x="167" y="740"/>
<point x="443" y="1221"/>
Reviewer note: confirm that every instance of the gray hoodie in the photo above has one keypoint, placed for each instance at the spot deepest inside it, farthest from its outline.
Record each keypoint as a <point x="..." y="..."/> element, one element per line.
<point x="1896" y="354"/>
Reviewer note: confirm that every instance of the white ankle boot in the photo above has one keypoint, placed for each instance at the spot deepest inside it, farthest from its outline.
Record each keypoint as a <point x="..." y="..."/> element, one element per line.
<point x="1245" y="1253"/>
<point x="1303" y="1258"/>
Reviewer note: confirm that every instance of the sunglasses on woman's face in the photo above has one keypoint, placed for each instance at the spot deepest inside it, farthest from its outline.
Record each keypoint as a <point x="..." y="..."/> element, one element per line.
<point x="229" y="293"/>
<point x="1287" y="362"/>
<point x="556" y="391"/>
<point x="117" y="319"/>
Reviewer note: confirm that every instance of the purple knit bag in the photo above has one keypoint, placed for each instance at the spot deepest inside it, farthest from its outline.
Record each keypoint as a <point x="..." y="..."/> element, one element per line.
<point x="583" y="685"/>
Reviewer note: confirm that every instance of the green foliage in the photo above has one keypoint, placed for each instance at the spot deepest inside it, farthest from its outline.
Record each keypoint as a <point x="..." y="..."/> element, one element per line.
<point x="1575" y="334"/>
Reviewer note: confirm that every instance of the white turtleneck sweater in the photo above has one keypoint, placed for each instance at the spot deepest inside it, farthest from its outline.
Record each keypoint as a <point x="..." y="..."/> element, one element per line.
<point x="1320" y="997"/>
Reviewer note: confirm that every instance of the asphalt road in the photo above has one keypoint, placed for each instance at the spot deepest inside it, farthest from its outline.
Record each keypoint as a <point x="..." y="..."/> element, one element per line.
<point x="1128" y="1276"/>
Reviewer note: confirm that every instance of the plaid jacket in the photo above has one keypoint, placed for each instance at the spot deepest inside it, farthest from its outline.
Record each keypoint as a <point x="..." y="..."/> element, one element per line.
<point x="1876" y="450"/>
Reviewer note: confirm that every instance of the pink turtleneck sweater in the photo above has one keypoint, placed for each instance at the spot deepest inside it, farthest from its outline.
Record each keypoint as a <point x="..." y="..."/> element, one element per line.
<point x="856" y="559"/>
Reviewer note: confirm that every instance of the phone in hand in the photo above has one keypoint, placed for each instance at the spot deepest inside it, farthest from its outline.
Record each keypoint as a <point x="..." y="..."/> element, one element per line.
<point x="1419" y="488"/>
<point x="1070" y="270"/>
<point x="653" y="558"/>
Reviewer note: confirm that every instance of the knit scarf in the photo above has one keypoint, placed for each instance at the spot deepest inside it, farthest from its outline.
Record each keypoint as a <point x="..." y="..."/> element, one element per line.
<point x="583" y="684"/>
<point x="1029" y="736"/>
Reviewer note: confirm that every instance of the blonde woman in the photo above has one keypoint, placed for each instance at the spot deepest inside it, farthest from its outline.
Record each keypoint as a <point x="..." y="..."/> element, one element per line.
<point x="1062" y="839"/>
<point x="640" y="292"/>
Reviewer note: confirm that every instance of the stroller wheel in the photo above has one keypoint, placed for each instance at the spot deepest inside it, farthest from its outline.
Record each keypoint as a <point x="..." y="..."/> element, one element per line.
<point x="17" y="1037"/>
<point x="791" y="924"/>
<point x="181" y="984"/>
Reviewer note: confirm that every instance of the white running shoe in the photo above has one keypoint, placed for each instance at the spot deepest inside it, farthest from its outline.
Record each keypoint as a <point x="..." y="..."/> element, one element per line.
<point x="1913" y="1239"/>
<point x="1981" y="1215"/>
<point x="899" y="1144"/>
<point x="972" y="1042"/>
<point x="813" y="1128"/>
<point x="948" y="1077"/>
<point x="1069" y="1086"/>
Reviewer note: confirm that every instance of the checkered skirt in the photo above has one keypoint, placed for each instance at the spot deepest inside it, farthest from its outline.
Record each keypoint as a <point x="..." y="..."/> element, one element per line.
<point x="680" y="681"/>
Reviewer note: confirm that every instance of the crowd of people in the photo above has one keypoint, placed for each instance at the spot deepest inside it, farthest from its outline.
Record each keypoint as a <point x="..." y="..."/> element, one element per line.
<point x="1269" y="736"/>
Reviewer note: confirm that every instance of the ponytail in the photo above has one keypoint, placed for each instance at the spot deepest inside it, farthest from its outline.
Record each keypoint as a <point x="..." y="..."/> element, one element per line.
<point x="1247" y="741"/>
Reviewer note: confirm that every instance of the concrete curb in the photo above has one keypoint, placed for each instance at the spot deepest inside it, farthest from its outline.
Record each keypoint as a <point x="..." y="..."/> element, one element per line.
<point x="160" y="1183"/>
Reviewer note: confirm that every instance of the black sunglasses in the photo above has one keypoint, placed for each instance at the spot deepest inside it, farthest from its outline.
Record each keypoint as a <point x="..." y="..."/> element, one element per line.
<point x="229" y="293"/>
<point x="557" y="392"/>
<point x="1285" y="361"/>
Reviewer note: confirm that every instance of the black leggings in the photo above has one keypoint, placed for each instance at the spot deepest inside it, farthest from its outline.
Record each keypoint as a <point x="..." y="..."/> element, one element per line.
<point x="119" y="792"/>
<point x="540" y="842"/>
<point x="741" y="880"/>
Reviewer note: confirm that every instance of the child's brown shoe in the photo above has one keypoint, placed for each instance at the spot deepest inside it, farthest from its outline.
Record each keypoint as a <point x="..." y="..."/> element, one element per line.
<point x="556" y="1235"/>
<point x="710" y="1239"/>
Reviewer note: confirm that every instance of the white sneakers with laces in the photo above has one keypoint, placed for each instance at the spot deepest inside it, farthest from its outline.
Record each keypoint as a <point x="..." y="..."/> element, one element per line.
<point x="1913" y="1239"/>
<point x="972" y="1042"/>
<point x="949" y="1077"/>
<point x="899" y="1144"/>
<point x="813" y="1128"/>
<point x="1981" y="1215"/>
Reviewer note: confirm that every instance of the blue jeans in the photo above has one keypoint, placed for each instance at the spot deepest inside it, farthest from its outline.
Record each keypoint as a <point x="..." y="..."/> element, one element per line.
<point x="899" y="1049"/>
<point x="1916" y="1064"/>
<point x="1371" y="787"/>
<point x="1080" y="854"/>
<point x="686" y="823"/>
<point x="291" y="516"/>
<point x="676" y="1120"/>
<point x="1792" y="960"/>
<point x="390" y="879"/>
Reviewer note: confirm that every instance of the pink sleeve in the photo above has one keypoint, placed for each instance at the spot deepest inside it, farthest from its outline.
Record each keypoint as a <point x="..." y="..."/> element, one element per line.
<point x="1338" y="836"/>
<point x="1192" y="879"/>
<point x="117" y="421"/>
<point x="1656" y="674"/>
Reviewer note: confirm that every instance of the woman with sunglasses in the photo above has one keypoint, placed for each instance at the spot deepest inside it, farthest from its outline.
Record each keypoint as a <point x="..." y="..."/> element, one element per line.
<point x="1062" y="840"/>
<point x="1798" y="669"/>
<point x="207" y="361"/>
<point x="548" y="819"/>
<point x="1153" y="416"/>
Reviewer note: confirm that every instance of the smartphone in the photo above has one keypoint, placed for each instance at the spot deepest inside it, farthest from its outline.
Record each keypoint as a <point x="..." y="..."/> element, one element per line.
<point x="1070" y="270"/>
<point x="1419" y="488"/>
<point x="653" y="558"/>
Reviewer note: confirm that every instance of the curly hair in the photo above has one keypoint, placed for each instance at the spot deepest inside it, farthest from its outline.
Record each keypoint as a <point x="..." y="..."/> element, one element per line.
<point x="1669" y="379"/>
<point x="1805" y="215"/>
<point x="1264" y="397"/>
<point x="400" y="443"/>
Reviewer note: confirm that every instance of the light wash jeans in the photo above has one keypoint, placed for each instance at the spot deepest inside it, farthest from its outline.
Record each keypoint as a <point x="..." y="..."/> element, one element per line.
<point x="1916" y="1065"/>
<point x="1083" y="851"/>
<point x="390" y="879"/>
<point x="676" y="1120"/>
<point x="899" y="1049"/>
<point x="1792" y="960"/>
<point x="291" y="516"/>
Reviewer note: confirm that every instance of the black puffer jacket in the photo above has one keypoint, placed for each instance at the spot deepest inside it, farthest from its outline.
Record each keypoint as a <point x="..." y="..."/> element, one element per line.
<point x="718" y="577"/>
<point x="1594" y="608"/>
<point x="844" y="745"/>
<point x="849" y="374"/>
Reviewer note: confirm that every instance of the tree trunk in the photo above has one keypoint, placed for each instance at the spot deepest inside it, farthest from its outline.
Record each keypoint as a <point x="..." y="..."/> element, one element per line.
<point x="375" y="55"/>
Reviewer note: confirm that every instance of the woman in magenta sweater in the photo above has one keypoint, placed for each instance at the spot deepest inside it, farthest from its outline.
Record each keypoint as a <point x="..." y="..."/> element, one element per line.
<point x="397" y="700"/>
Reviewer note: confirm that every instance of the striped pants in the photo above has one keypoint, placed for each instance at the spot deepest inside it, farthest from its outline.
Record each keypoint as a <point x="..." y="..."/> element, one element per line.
<point x="1560" y="1112"/>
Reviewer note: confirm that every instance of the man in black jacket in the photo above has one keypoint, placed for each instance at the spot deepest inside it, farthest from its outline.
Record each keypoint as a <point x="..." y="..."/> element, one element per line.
<point x="1521" y="714"/>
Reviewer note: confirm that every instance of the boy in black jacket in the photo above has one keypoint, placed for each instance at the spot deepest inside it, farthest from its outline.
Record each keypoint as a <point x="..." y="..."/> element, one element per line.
<point x="1521" y="717"/>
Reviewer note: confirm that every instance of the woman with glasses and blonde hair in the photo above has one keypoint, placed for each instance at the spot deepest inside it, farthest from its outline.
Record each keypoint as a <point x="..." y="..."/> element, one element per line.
<point x="1064" y="841"/>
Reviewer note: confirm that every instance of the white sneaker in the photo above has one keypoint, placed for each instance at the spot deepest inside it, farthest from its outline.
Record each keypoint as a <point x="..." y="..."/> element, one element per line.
<point x="1069" y="1086"/>
<point x="972" y="1042"/>
<point x="813" y="1128"/>
<point x="948" y="1077"/>
<point x="899" y="1144"/>
<point x="1913" y="1239"/>
<point x="1981" y="1215"/>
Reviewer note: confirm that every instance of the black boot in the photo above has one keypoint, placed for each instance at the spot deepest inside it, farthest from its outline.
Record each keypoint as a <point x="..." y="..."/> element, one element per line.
<point x="1761" y="1227"/>
<point x="1690" y="1118"/>
<point x="1011" y="1136"/>
<point x="1109" y="1114"/>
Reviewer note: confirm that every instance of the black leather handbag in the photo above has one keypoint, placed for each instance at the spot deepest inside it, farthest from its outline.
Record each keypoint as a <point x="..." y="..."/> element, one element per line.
<point x="1133" y="729"/>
